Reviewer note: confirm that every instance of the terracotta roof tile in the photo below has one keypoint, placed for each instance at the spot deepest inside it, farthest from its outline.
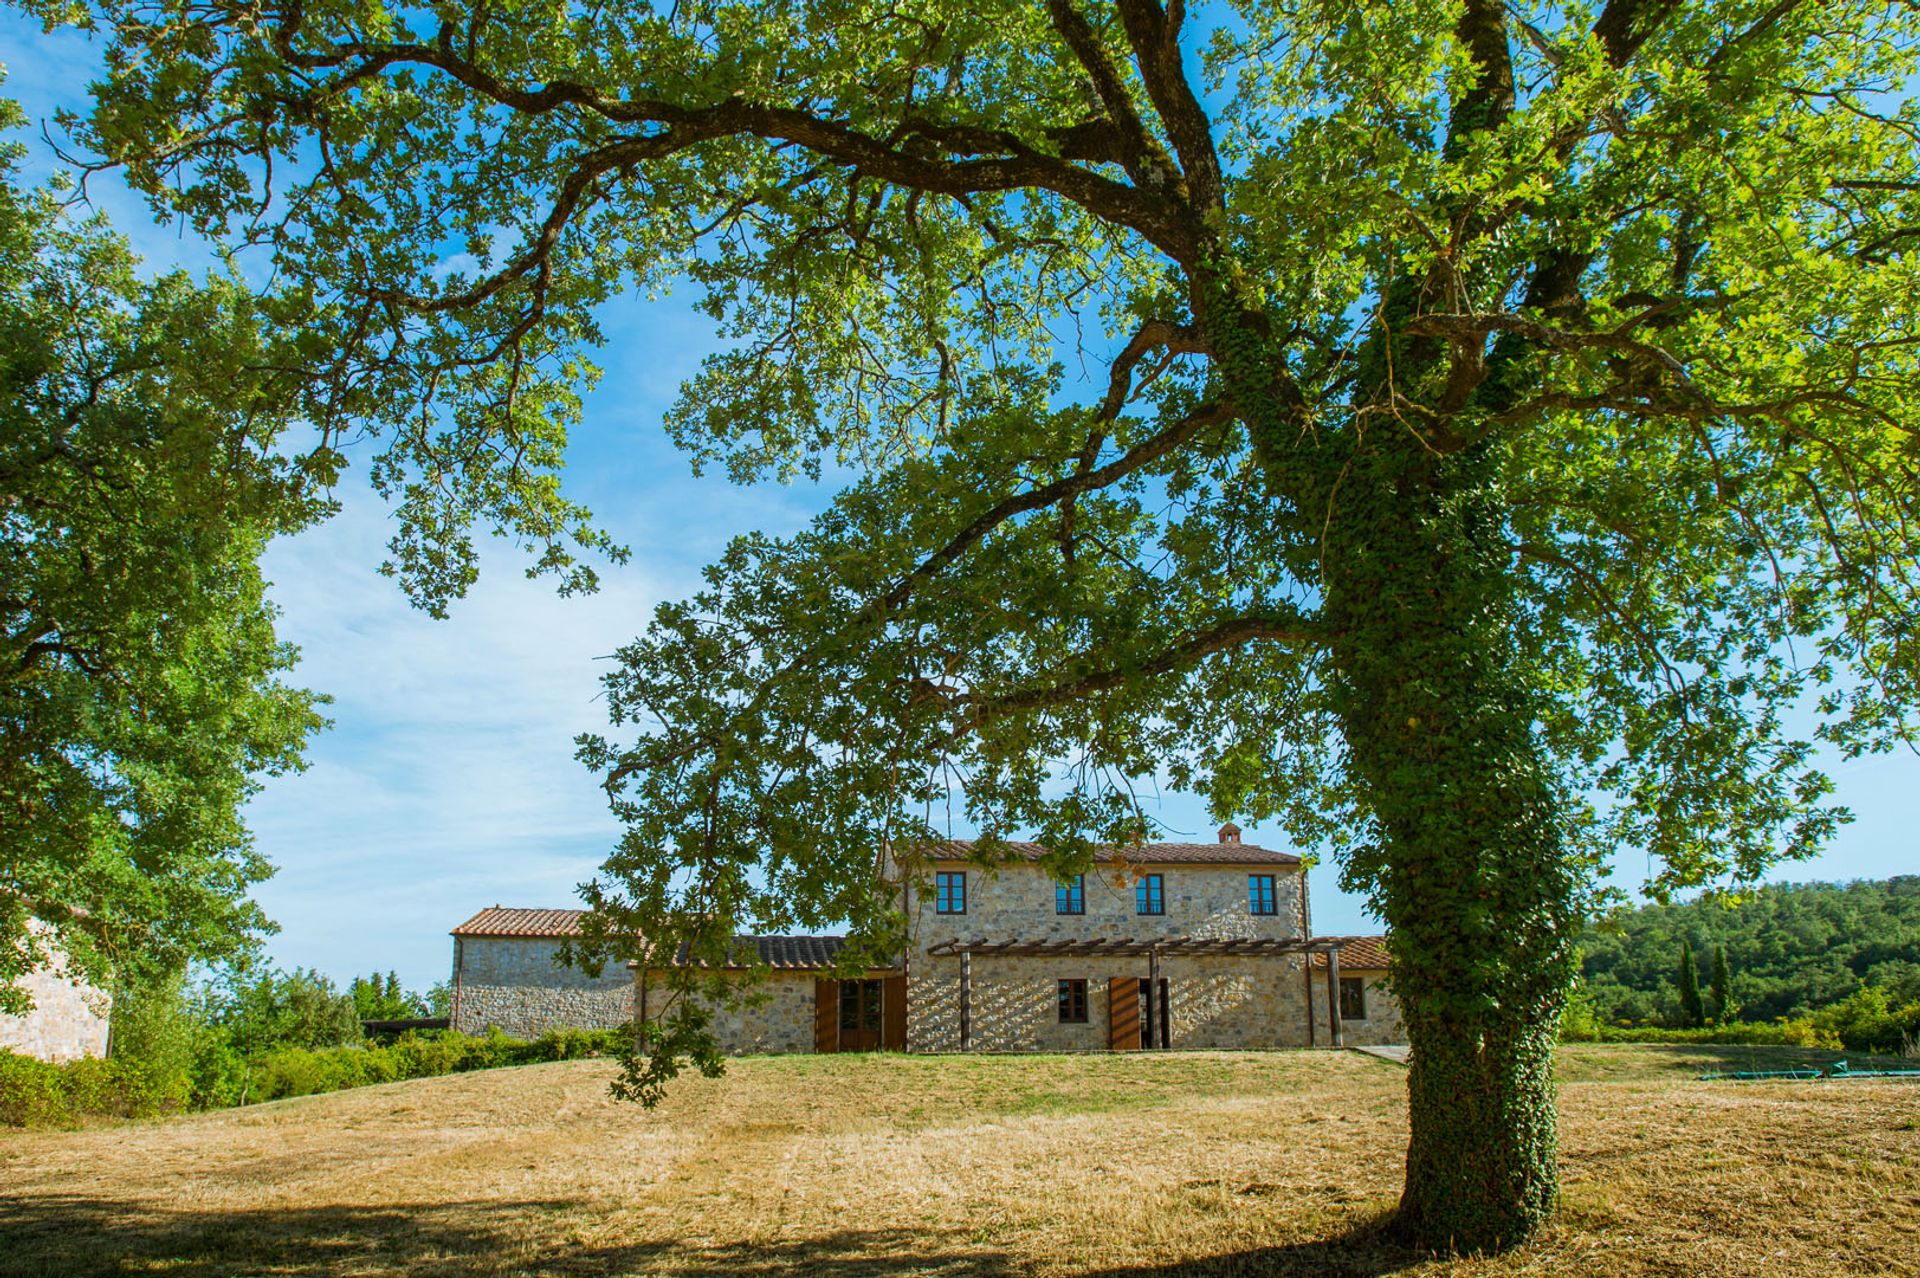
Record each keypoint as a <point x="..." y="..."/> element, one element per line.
<point x="1362" y="954"/>
<point x="1141" y="854"/>
<point x="784" y="953"/>
<point x="496" y="921"/>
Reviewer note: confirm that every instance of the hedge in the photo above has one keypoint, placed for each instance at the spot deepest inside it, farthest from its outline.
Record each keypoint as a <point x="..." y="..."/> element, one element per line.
<point x="34" y="1093"/>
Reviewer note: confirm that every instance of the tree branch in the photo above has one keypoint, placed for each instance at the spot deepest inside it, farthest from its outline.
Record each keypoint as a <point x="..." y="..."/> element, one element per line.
<point x="1290" y="627"/>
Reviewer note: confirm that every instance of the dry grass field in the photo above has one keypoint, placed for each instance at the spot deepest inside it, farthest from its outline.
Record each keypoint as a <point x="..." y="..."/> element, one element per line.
<point x="857" y="1167"/>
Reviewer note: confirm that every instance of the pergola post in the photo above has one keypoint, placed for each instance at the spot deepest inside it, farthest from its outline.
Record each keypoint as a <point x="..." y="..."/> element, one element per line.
<point x="966" y="1000"/>
<point x="1155" y="1017"/>
<point x="1333" y="996"/>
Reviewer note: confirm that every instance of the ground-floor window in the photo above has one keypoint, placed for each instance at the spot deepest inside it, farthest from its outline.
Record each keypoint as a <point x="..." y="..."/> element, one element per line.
<point x="1073" y="1002"/>
<point x="1353" y="998"/>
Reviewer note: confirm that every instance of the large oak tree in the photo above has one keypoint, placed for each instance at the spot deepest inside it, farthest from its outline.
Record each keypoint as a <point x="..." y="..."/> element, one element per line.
<point x="1475" y="435"/>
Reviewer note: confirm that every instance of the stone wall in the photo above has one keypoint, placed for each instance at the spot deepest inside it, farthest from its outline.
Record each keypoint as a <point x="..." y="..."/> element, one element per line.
<point x="68" y="1020"/>
<point x="513" y="984"/>
<point x="776" y="1017"/>
<point x="1212" y="1002"/>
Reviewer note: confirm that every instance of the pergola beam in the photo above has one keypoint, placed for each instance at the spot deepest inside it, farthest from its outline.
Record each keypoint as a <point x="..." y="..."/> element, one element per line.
<point x="1128" y="947"/>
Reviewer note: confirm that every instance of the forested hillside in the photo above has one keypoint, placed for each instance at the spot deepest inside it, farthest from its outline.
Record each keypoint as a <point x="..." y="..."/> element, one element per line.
<point x="1790" y="949"/>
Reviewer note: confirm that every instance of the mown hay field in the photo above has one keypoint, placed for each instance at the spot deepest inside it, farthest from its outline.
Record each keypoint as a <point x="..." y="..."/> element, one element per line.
<point x="855" y="1167"/>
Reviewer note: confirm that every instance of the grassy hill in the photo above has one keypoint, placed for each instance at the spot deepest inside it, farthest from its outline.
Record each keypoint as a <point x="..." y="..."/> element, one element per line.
<point x="1146" y="1165"/>
<point x="1792" y="948"/>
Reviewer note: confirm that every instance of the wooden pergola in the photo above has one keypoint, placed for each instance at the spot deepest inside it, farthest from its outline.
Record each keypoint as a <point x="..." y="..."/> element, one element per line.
<point x="1153" y="950"/>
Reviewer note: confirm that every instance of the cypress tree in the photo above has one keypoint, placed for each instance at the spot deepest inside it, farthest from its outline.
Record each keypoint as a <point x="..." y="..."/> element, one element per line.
<point x="1720" y="986"/>
<point x="1692" y="1013"/>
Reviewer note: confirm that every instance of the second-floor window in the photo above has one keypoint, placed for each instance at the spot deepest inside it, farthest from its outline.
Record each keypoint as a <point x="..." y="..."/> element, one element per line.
<point x="1148" y="895"/>
<point x="1073" y="1002"/>
<point x="1260" y="894"/>
<point x="1071" y="897"/>
<point x="950" y="892"/>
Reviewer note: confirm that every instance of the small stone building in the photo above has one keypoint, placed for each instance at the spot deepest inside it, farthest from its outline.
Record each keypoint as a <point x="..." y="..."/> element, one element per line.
<point x="1369" y="1015"/>
<point x="69" y="1016"/>
<point x="507" y="975"/>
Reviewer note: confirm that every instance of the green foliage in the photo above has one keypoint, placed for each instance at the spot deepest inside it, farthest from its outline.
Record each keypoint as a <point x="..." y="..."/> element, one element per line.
<point x="1791" y="948"/>
<point x="377" y="998"/>
<point x="37" y="1094"/>
<point x="1503" y="432"/>
<point x="1783" y="1033"/>
<point x="1693" y="1013"/>
<point x="270" y="1009"/>
<point x="1720" y="987"/>
<point x="1869" y="1021"/>
<point x="140" y="678"/>
<point x="34" y="1093"/>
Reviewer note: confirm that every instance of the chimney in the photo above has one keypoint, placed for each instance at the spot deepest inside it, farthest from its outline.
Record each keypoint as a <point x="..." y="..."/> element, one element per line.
<point x="1229" y="833"/>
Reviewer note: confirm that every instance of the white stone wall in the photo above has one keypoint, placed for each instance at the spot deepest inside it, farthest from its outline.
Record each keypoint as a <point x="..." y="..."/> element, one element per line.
<point x="1219" y="1002"/>
<point x="515" y="985"/>
<point x="777" y="1017"/>
<point x="68" y="1020"/>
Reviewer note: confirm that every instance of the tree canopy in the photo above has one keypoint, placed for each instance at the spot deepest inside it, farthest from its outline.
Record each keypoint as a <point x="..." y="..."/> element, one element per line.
<point x="141" y="689"/>
<point x="1466" y="433"/>
<point x="1791" y="948"/>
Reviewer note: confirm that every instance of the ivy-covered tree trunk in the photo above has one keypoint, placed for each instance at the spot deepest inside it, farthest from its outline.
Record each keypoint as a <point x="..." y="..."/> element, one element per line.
<point x="1470" y="864"/>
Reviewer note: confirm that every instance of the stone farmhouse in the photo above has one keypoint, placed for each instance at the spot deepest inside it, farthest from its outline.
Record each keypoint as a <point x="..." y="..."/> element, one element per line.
<point x="1166" y="945"/>
<point x="69" y="1016"/>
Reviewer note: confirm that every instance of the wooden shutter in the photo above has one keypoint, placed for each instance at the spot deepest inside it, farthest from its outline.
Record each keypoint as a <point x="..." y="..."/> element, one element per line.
<point x="893" y="1025"/>
<point x="1123" y="1013"/>
<point x="826" y="1016"/>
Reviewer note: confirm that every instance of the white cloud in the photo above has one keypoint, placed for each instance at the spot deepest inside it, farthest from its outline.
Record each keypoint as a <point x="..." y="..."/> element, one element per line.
<point x="447" y="782"/>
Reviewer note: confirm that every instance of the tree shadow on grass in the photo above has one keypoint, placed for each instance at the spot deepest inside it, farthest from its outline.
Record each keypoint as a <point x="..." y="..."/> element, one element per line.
<point x="79" y="1237"/>
<point x="1365" y="1251"/>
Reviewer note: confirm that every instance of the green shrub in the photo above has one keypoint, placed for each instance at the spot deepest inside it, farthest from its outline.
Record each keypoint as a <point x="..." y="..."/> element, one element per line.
<point x="1867" y="1021"/>
<point x="32" y="1093"/>
<point x="1781" y="1033"/>
<point x="212" y="1074"/>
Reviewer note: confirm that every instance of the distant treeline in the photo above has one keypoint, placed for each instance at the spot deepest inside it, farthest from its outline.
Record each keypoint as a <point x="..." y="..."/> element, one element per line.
<point x="1790" y="950"/>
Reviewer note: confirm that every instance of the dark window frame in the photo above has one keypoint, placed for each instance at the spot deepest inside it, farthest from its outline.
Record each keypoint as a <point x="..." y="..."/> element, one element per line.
<point x="944" y="883"/>
<point x="1071" y="897"/>
<point x="1070" y="994"/>
<point x="1150" y="894"/>
<point x="1263" y="895"/>
<point x="1353" y="998"/>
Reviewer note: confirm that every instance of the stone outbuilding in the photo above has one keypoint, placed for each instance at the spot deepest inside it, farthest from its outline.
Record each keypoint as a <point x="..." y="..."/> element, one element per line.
<point x="69" y="1016"/>
<point x="507" y="975"/>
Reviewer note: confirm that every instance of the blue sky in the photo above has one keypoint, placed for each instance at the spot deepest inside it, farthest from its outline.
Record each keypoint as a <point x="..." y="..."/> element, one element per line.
<point x="447" y="782"/>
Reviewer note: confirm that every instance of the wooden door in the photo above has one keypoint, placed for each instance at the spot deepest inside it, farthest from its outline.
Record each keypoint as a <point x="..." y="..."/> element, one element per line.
<point x="893" y="1030"/>
<point x="1123" y="1013"/>
<point x="862" y="1015"/>
<point x="826" y="1016"/>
